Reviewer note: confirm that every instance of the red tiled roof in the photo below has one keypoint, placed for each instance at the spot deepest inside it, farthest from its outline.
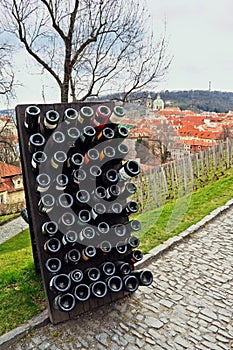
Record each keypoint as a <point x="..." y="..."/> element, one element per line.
<point x="8" y="170"/>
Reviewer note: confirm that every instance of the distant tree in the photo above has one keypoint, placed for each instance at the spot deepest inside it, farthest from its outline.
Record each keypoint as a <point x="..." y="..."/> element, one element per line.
<point x="8" y="152"/>
<point x="89" y="46"/>
<point x="6" y="71"/>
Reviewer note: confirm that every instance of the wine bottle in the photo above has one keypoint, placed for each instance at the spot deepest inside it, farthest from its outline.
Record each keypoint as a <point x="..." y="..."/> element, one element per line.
<point x="93" y="274"/>
<point x="133" y="242"/>
<point x="85" y="115"/>
<point x="75" y="161"/>
<point x="121" y="247"/>
<point x="72" y="135"/>
<point x="53" y="265"/>
<point x="106" y="134"/>
<point x="99" y="289"/>
<point x="114" y="283"/>
<point x="61" y="182"/>
<point x="133" y="226"/>
<point x="130" y="283"/>
<point x="70" y="116"/>
<point x="129" y="190"/>
<point x="98" y="194"/>
<point x="76" y="276"/>
<point x="43" y="181"/>
<point x="82" y="292"/>
<point x="46" y="203"/>
<point x="107" y="268"/>
<point x="52" y="245"/>
<point x="82" y="198"/>
<point x="58" y="159"/>
<point x="32" y="119"/>
<point x="56" y="141"/>
<point x="76" y="178"/>
<point x="72" y="256"/>
<point x="38" y="158"/>
<point x="144" y="277"/>
<point x="122" y="150"/>
<point x="24" y="215"/>
<point x="116" y="208"/>
<point x="107" y="153"/>
<point x="88" y="252"/>
<point x="91" y="156"/>
<point x="85" y="139"/>
<point x="119" y="230"/>
<point x="51" y="120"/>
<point x="130" y="208"/>
<point x="84" y="216"/>
<point x="65" y="200"/>
<point x="113" y="192"/>
<point x="134" y="256"/>
<point x="70" y="237"/>
<point x="105" y="247"/>
<point x="130" y="169"/>
<point x="49" y="228"/>
<point x="94" y="172"/>
<point x="64" y="302"/>
<point x="121" y="132"/>
<point x="87" y="233"/>
<point x="36" y="142"/>
<point x="123" y="268"/>
<point x="103" y="228"/>
<point x="117" y="115"/>
<point x="66" y="221"/>
<point x="101" y="117"/>
<point x="109" y="177"/>
<point x="60" y="283"/>
<point x="98" y="209"/>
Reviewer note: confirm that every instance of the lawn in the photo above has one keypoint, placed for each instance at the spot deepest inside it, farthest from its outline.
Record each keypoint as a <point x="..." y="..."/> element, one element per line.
<point x="6" y="218"/>
<point x="21" y="292"/>
<point x="175" y="216"/>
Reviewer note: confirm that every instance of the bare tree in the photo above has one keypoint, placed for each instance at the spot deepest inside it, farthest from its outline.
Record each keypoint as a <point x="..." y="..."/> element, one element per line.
<point x="89" y="46"/>
<point x="8" y="141"/>
<point x="6" y="72"/>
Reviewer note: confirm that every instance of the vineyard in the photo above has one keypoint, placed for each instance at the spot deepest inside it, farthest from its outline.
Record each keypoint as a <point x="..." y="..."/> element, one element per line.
<point x="181" y="177"/>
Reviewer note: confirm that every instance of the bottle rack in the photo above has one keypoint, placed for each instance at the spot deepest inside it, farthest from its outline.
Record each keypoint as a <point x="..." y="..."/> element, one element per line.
<point x="64" y="225"/>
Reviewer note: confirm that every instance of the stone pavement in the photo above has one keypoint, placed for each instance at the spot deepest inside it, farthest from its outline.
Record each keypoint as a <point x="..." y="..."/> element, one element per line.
<point x="12" y="228"/>
<point x="188" y="306"/>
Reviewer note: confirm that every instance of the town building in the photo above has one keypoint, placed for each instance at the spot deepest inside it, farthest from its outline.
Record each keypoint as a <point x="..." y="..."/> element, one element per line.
<point x="8" y="139"/>
<point x="11" y="188"/>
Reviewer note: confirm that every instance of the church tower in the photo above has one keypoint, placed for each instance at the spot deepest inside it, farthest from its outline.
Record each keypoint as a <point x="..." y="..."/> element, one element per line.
<point x="158" y="104"/>
<point x="149" y="102"/>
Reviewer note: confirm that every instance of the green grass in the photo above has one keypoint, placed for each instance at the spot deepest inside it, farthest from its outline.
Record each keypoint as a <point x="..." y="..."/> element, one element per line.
<point x="21" y="292"/>
<point x="177" y="215"/>
<point x="6" y="218"/>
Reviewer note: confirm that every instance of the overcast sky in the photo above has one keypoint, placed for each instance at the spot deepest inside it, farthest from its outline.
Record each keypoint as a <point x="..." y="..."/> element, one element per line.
<point x="200" y="40"/>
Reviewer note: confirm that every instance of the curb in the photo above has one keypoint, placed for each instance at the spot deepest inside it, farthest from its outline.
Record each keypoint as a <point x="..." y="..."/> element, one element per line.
<point x="43" y="319"/>
<point x="36" y="322"/>
<point x="2" y="223"/>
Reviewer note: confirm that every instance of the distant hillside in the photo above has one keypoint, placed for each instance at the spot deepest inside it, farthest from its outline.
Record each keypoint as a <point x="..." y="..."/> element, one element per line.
<point x="199" y="100"/>
<point x="196" y="100"/>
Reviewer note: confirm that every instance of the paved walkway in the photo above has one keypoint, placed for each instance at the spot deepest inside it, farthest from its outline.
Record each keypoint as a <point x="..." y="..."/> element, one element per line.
<point x="188" y="306"/>
<point x="12" y="228"/>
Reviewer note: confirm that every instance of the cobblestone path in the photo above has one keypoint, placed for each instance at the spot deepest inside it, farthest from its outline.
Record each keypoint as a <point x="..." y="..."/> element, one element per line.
<point x="188" y="306"/>
<point x="12" y="228"/>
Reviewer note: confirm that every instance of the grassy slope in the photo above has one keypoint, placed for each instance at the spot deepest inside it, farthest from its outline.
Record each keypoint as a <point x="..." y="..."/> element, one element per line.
<point x="160" y="224"/>
<point x="21" y="292"/>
